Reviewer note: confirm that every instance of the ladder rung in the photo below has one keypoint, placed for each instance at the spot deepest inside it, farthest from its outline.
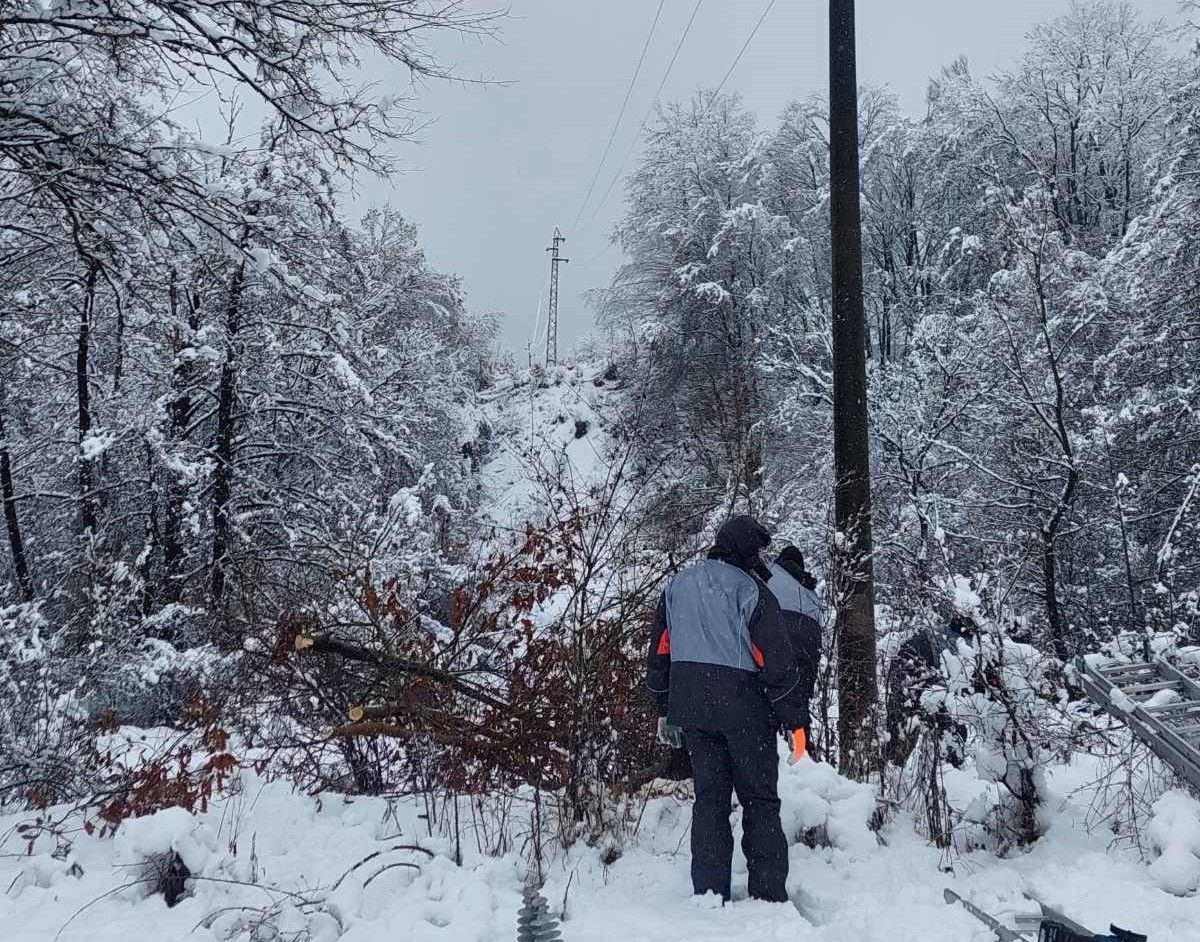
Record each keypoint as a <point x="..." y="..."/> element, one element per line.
<point x="1128" y="668"/>
<point x="1178" y="746"/>
<point x="1174" y="707"/>
<point x="1147" y="688"/>
<point x="1174" y="673"/>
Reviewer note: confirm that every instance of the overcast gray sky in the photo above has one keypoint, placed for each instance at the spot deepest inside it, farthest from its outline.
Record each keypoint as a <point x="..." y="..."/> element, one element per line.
<point x="501" y="165"/>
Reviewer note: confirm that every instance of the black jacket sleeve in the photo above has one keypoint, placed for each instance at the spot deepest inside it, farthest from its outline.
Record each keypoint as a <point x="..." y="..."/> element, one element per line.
<point x="658" y="659"/>
<point x="779" y="672"/>
<point x="805" y="635"/>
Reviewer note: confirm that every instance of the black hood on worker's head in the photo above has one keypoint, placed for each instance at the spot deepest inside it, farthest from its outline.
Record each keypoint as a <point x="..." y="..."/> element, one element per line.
<point x="791" y="561"/>
<point x="739" y="541"/>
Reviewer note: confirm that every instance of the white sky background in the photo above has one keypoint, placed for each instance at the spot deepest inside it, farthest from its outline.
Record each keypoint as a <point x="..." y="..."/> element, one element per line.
<point x="499" y="166"/>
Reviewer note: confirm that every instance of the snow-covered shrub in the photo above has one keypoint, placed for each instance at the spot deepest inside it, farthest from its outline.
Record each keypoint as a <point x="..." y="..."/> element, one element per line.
<point x="64" y="747"/>
<point x="988" y="716"/>
<point x="119" y="774"/>
<point x="40" y="713"/>
<point x="59" y="696"/>
<point x="525" y="677"/>
<point x="1174" y="834"/>
<point x="823" y="808"/>
<point x="153" y="682"/>
<point x="1006" y="708"/>
<point x="139" y="774"/>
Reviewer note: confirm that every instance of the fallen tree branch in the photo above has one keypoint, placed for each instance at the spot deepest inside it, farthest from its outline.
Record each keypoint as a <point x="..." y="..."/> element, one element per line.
<point x="320" y="644"/>
<point x="396" y="731"/>
<point x="380" y="711"/>
<point x="379" y="853"/>
<point x="372" y="728"/>
<point x="391" y="866"/>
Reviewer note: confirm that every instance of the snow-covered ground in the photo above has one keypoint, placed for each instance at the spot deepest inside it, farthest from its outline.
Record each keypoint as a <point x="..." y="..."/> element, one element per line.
<point x="322" y="869"/>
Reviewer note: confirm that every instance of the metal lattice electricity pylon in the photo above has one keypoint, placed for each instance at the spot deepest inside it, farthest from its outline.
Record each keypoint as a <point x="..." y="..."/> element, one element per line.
<point x="552" y="319"/>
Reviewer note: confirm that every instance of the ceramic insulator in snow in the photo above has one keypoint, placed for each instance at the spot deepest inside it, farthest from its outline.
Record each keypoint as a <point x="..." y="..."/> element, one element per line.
<point x="534" y="922"/>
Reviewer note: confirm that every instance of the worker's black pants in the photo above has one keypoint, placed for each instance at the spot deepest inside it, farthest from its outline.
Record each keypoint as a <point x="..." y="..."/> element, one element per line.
<point x="742" y="760"/>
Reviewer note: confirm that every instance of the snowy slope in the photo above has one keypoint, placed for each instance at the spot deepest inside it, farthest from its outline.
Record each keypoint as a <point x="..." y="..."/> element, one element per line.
<point x="537" y="420"/>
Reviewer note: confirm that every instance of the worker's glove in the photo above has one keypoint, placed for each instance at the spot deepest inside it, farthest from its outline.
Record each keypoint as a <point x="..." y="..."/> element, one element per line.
<point x="669" y="735"/>
<point x="798" y="744"/>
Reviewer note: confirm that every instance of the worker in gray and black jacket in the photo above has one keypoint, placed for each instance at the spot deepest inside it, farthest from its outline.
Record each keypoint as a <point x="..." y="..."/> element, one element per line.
<point x="725" y="680"/>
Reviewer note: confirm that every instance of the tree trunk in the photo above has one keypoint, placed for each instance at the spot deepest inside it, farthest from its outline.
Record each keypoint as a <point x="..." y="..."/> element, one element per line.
<point x="1066" y="500"/>
<point x="1050" y="530"/>
<point x="87" y="465"/>
<point x="222" y="491"/>
<point x="16" y="542"/>
<point x="145" y="559"/>
<point x="180" y="416"/>
<point x="1127" y="208"/>
<point x="1050" y="586"/>
<point x="119" y="353"/>
<point x="857" y="687"/>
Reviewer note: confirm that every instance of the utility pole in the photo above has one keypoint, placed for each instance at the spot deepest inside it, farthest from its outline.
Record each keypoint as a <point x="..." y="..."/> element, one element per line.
<point x="552" y="318"/>
<point x="858" y="691"/>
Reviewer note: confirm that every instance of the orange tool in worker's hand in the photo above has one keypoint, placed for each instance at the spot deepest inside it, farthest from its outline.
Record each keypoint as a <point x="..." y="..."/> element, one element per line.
<point x="798" y="741"/>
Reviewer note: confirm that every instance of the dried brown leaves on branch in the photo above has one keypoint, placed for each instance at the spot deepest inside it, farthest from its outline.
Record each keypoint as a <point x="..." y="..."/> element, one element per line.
<point x="534" y="681"/>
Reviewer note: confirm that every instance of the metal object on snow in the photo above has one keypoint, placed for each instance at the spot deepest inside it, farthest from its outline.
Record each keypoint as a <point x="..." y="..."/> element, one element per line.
<point x="534" y="922"/>
<point x="1002" y="932"/>
<point x="1133" y="693"/>
<point x="1051" y="925"/>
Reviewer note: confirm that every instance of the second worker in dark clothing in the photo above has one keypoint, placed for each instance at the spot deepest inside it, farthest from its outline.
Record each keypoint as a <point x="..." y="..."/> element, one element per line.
<point x="722" y="670"/>
<point x="916" y="668"/>
<point x="794" y="588"/>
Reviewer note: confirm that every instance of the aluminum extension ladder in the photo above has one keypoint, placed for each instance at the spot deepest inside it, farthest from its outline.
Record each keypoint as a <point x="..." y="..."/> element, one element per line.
<point x="1169" y="725"/>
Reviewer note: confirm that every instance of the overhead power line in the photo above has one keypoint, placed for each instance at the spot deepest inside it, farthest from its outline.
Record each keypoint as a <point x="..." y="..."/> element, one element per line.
<point x="649" y="111"/>
<point x="724" y="80"/>
<point x="746" y="45"/>
<point x="620" y="114"/>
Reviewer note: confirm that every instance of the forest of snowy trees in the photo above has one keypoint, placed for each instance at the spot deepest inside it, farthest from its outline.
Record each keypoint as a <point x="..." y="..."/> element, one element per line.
<point x="1030" y="250"/>
<point x="220" y="399"/>
<point x="241" y="441"/>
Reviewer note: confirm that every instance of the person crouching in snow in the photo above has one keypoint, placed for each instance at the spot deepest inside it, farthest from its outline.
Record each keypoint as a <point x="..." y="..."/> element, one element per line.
<point x="724" y="678"/>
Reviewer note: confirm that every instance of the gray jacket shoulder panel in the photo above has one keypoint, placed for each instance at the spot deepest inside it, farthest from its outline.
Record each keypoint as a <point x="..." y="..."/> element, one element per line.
<point x="791" y="595"/>
<point x="709" y="608"/>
